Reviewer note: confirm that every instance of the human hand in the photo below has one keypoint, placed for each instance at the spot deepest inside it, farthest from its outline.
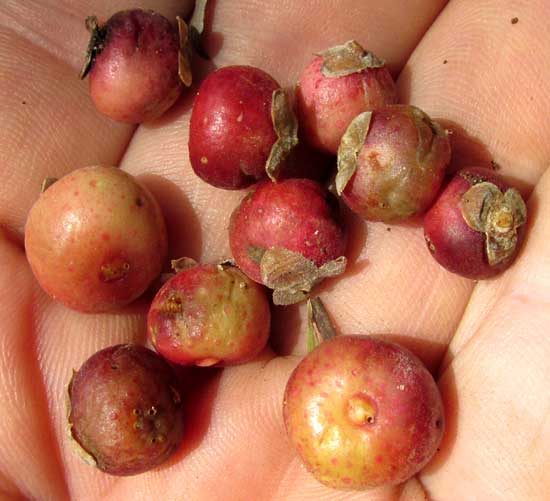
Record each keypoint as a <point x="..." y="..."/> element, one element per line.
<point x="467" y="66"/>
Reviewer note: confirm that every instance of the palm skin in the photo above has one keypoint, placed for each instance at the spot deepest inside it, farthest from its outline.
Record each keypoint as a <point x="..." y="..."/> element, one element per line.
<point x="463" y="62"/>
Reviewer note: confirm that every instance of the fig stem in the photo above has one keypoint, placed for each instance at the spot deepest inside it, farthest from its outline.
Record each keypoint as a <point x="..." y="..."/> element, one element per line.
<point x="319" y="325"/>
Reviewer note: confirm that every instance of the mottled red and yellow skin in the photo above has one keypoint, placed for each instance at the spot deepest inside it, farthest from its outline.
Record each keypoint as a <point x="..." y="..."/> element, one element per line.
<point x="135" y="76"/>
<point x="327" y="105"/>
<point x="454" y="245"/>
<point x="209" y="315"/>
<point x="362" y="413"/>
<point x="125" y="409"/>
<point x="295" y="214"/>
<point x="95" y="239"/>
<point x="400" y="167"/>
<point x="231" y="132"/>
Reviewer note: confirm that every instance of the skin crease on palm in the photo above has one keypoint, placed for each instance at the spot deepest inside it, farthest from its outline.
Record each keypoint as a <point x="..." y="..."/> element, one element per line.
<point x="464" y="63"/>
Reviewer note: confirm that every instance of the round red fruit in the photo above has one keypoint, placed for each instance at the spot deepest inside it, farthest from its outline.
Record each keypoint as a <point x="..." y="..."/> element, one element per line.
<point x="133" y="63"/>
<point x="125" y="411"/>
<point x="95" y="239"/>
<point x="330" y="94"/>
<point x="232" y="129"/>
<point x="209" y="315"/>
<point x="296" y="215"/>
<point x="363" y="413"/>
<point x="476" y="226"/>
<point x="391" y="163"/>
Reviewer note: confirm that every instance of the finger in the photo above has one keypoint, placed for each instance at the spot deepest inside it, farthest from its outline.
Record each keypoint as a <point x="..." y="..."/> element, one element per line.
<point x="241" y="428"/>
<point x="495" y="387"/>
<point x="263" y="44"/>
<point x="48" y="123"/>
<point x="25" y="427"/>
<point x="486" y="77"/>
<point x="248" y="32"/>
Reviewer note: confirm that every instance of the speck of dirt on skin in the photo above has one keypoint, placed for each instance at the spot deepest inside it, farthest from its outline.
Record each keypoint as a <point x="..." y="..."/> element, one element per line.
<point x="445" y="61"/>
<point x="514" y="20"/>
<point x="23" y="102"/>
<point x="388" y="229"/>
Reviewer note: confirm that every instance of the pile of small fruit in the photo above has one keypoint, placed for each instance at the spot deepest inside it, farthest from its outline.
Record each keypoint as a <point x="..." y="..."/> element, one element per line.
<point x="361" y="412"/>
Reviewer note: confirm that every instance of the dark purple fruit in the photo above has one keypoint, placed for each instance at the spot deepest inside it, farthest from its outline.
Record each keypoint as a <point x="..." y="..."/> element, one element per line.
<point x="125" y="410"/>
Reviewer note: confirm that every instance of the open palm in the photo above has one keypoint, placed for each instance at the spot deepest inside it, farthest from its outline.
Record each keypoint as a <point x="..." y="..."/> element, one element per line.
<point x="466" y="64"/>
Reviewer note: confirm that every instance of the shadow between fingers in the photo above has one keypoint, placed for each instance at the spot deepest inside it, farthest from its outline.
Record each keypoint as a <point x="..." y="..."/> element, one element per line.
<point x="182" y="222"/>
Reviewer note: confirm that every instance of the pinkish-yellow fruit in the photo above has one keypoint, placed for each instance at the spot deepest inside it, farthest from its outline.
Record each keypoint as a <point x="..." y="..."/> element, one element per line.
<point x="95" y="239"/>
<point x="362" y="413"/>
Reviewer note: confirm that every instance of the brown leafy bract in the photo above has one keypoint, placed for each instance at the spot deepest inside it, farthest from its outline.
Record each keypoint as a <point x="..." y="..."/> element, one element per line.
<point x="95" y="45"/>
<point x="319" y="326"/>
<point x="348" y="151"/>
<point x="285" y="124"/>
<point x="183" y="263"/>
<point x="292" y="276"/>
<point x="346" y="59"/>
<point x="487" y="210"/>
<point x="184" y="54"/>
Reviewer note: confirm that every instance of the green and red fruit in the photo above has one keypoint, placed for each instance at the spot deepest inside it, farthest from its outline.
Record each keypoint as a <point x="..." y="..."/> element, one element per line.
<point x="209" y="315"/>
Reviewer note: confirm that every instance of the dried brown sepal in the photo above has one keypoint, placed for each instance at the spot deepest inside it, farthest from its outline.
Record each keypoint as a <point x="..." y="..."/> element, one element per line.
<point x="346" y="59"/>
<point x="255" y="253"/>
<point x="184" y="53"/>
<point x="183" y="263"/>
<point x="292" y="276"/>
<point x="228" y="262"/>
<point x="74" y="443"/>
<point x="196" y="27"/>
<point x="285" y="124"/>
<point x="48" y="181"/>
<point x="348" y="151"/>
<point x="487" y="210"/>
<point x="95" y="45"/>
<point x="320" y="327"/>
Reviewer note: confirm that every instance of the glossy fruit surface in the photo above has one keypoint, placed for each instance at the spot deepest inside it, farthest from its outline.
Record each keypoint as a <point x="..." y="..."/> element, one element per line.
<point x="134" y="71"/>
<point x="209" y="315"/>
<point x="399" y="165"/>
<point x="483" y="249"/>
<point x="362" y="413"/>
<point x="326" y="104"/>
<point x="294" y="214"/>
<point x="125" y="409"/>
<point x="95" y="239"/>
<point x="231" y="132"/>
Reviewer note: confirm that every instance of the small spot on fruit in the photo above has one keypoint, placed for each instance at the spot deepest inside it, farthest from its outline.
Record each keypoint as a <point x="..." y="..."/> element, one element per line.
<point x="204" y="160"/>
<point x="139" y="202"/>
<point x="114" y="270"/>
<point x="361" y="410"/>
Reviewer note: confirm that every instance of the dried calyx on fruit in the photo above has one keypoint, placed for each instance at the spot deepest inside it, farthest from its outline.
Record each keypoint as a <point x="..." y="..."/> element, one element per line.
<point x="391" y="163"/>
<point x="476" y="225"/>
<point x="335" y="87"/>
<point x="124" y="410"/>
<point x="208" y="315"/>
<point x="361" y="412"/>
<point x="288" y="236"/>
<point x="242" y="128"/>
<point x="136" y="62"/>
